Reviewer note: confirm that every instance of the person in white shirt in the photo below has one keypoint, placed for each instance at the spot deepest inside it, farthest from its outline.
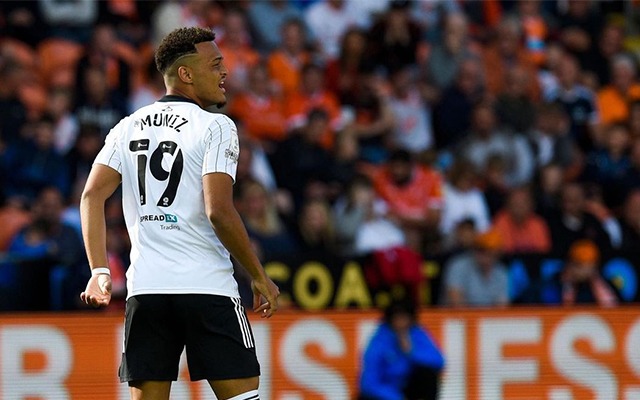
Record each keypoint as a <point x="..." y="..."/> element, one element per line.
<point x="463" y="200"/>
<point x="328" y="20"/>
<point x="177" y="164"/>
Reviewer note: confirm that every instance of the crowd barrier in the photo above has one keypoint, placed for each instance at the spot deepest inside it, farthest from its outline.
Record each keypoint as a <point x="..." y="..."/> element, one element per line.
<point x="324" y="281"/>
<point x="515" y="353"/>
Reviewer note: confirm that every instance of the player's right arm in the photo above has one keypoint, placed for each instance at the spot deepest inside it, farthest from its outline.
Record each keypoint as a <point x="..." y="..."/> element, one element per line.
<point x="101" y="184"/>
<point x="229" y="228"/>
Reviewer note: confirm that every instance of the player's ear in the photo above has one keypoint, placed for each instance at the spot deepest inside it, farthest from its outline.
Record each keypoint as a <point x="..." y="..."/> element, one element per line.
<point x="185" y="74"/>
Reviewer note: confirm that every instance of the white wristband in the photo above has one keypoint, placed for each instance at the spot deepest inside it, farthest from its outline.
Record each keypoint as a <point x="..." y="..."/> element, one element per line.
<point x="100" y="271"/>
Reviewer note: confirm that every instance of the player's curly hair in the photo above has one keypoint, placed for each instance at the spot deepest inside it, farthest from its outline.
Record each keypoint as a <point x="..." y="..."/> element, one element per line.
<point x="178" y="43"/>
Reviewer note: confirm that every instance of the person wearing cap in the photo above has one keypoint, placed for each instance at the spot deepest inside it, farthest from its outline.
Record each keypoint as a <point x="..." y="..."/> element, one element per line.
<point x="580" y="281"/>
<point x="477" y="278"/>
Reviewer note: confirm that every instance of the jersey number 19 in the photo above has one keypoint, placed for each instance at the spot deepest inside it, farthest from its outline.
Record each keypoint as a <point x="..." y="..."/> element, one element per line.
<point x="157" y="171"/>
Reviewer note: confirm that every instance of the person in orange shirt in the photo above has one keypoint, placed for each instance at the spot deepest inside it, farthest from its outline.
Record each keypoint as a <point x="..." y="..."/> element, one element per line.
<point x="535" y="29"/>
<point x="285" y="64"/>
<point x="614" y="99"/>
<point x="507" y="51"/>
<point x="413" y="194"/>
<point x="259" y="110"/>
<point x="522" y="231"/>
<point x="239" y="56"/>
<point x="311" y="94"/>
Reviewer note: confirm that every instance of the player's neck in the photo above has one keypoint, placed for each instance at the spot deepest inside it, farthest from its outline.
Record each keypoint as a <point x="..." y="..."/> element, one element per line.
<point x="183" y="93"/>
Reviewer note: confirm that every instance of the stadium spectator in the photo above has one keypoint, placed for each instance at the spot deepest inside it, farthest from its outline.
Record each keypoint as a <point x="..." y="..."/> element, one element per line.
<point x="452" y="114"/>
<point x="378" y="232"/>
<point x="80" y="158"/>
<point x="33" y="163"/>
<point x="477" y="278"/>
<point x="486" y="140"/>
<point x="447" y="55"/>
<point x="413" y="193"/>
<point x="578" y="101"/>
<point x="285" y="63"/>
<point x="395" y="38"/>
<point x="548" y="189"/>
<point x="412" y="128"/>
<point x="505" y="52"/>
<point x="301" y="159"/>
<point x="315" y="234"/>
<point x="580" y="281"/>
<point x="579" y="25"/>
<point x="343" y="73"/>
<point x="269" y="234"/>
<point x="99" y="106"/>
<point x="267" y="19"/>
<point x="608" y="166"/>
<point x="536" y="28"/>
<point x="610" y="44"/>
<point x="240" y="56"/>
<point x="547" y="75"/>
<point x="549" y="137"/>
<point x="401" y="360"/>
<point x="522" y="231"/>
<point x="369" y="116"/>
<point x="328" y="20"/>
<point x="350" y="212"/>
<point x="494" y="182"/>
<point x="461" y="240"/>
<point x="514" y="108"/>
<point x="59" y="107"/>
<point x="48" y="266"/>
<point x="22" y="21"/>
<point x="463" y="200"/>
<point x="313" y="94"/>
<point x="614" y="99"/>
<point x="101" y="53"/>
<point x="259" y="109"/>
<point x="571" y="222"/>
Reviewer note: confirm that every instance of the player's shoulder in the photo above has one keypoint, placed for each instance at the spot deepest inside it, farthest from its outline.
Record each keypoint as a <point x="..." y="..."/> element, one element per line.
<point x="221" y="123"/>
<point x="220" y="118"/>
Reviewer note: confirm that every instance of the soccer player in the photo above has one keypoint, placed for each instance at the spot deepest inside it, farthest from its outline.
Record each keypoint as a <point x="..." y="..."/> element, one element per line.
<point x="177" y="164"/>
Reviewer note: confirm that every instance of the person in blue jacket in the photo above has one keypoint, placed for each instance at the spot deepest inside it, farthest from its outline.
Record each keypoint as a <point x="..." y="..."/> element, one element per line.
<point x="401" y="361"/>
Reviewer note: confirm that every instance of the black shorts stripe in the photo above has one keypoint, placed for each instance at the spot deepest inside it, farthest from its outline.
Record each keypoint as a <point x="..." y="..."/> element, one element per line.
<point x="243" y="323"/>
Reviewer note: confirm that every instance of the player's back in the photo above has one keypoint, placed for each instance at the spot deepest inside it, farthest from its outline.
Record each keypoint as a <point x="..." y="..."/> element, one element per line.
<point x="163" y="150"/>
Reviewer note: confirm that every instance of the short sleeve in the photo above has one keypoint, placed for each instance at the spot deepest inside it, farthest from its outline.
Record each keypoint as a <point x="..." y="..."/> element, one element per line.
<point x="110" y="155"/>
<point x="222" y="148"/>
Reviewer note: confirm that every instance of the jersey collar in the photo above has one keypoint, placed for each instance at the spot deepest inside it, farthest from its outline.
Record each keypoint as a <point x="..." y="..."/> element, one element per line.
<point x="173" y="97"/>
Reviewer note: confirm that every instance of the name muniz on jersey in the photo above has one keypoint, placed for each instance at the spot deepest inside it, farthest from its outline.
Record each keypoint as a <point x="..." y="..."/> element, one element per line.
<point x="172" y="121"/>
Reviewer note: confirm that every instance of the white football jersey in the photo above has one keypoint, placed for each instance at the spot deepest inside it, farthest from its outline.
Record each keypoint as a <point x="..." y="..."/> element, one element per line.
<point x="162" y="151"/>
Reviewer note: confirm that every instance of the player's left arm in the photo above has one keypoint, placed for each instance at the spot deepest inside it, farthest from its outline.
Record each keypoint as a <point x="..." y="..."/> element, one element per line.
<point x="101" y="184"/>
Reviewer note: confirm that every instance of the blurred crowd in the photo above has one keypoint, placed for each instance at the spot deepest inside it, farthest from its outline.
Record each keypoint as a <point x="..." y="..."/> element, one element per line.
<point x="467" y="129"/>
